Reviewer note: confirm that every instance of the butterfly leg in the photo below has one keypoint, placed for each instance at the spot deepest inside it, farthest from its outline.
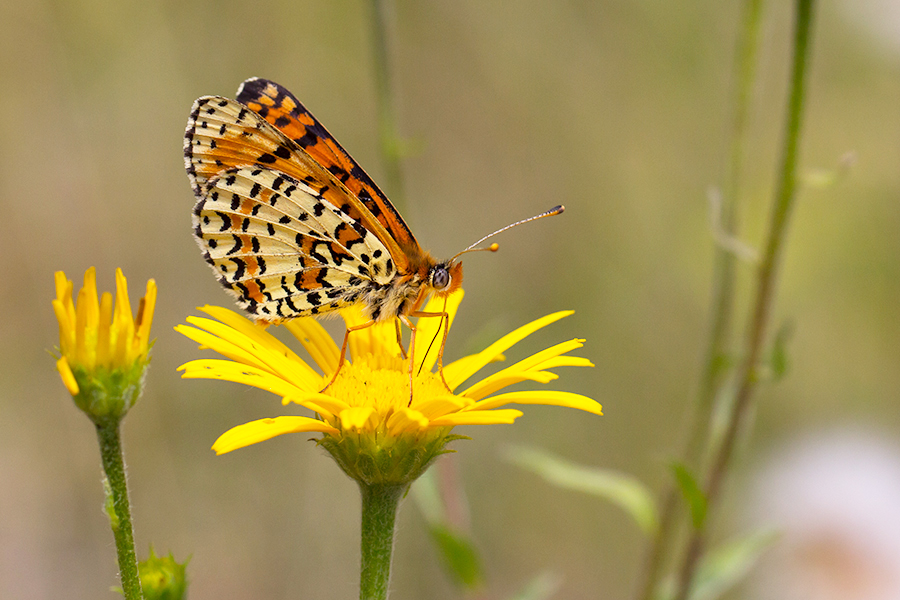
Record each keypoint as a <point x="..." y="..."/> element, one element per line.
<point x="411" y="353"/>
<point x="445" y="325"/>
<point x="344" y="351"/>
<point x="400" y="338"/>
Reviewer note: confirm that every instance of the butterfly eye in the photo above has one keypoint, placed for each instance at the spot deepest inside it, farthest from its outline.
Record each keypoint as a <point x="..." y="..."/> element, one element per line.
<point x="440" y="278"/>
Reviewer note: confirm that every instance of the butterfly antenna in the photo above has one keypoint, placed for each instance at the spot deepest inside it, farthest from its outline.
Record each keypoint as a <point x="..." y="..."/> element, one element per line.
<point x="494" y="247"/>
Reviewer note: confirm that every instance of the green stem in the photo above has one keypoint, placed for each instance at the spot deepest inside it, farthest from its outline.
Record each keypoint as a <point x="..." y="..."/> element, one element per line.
<point x="387" y="118"/>
<point x="717" y="352"/>
<point x="722" y="305"/>
<point x="114" y="467"/>
<point x="379" y="511"/>
<point x="765" y="291"/>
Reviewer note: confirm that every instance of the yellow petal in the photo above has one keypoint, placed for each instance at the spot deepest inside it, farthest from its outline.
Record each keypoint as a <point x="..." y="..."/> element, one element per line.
<point x="359" y="341"/>
<point x="548" y="398"/>
<point x="248" y="329"/>
<point x="104" y="335"/>
<point x="323" y="404"/>
<point x="145" y="317"/>
<point x="265" y="429"/>
<point x="122" y="295"/>
<point x="503" y="379"/>
<point x="226" y="348"/>
<point x="566" y="361"/>
<point x="122" y="326"/>
<point x="358" y="418"/>
<point x="266" y="346"/>
<point x="478" y="417"/>
<point x="86" y="314"/>
<point x="242" y="348"/>
<point x="66" y="327"/>
<point x="378" y="339"/>
<point x="537" y="363"/>
<point x="440" y="406"/>
<point x="68" y="378"/>
<point x="406" y="419"/>
<point x="226" y="370"/>
<point x="460" y="370"/>
<point x="318" y="344"/>
<point x="63" y="286"/>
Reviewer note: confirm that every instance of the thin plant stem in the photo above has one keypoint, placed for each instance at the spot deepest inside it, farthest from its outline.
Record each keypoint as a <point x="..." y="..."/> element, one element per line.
<point x="387" y="117"/>
<point x="748" y="375"/>
<point x="718" y="351"/>
<point x="114" y="467"/>
<point x="379" y="511"/>
<point x="722" y="305"/>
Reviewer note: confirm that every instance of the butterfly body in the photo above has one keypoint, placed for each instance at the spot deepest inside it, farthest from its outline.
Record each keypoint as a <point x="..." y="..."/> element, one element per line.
<point x="290" y="224"/>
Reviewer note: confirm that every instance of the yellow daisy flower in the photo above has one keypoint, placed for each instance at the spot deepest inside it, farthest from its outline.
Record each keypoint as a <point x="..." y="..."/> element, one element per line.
<point x="104" y="348"/>
<point x="370" y="425"/>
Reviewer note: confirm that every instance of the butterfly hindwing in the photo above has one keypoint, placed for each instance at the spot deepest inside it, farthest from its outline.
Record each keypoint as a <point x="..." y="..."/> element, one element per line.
<point x="281" y="248"/>
<point x="280" y="108"/>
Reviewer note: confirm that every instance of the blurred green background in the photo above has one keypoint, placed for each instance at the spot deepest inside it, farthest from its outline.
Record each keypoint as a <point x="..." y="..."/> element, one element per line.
<point x="619" y="110"/>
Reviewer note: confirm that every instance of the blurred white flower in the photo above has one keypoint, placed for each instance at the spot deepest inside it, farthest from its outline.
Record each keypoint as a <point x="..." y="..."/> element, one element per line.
<point x="835" y="497"/>
<point x="879" y="19"/>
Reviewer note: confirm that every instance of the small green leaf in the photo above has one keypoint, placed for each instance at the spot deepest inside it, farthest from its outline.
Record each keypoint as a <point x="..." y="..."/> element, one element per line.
<point x="692" y="494"/>
<point x="459" y="556"/>
<point x="458" y="553"/>
<point x="823" y="178"/>
<point x="542" y="587"/>
<point x="623" y="490"/>
<point x="108" y="506"/>
<point x="726" y="565"/>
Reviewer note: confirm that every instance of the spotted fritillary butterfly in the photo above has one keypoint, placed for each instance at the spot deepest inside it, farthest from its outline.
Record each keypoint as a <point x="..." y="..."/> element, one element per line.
<point x="291" y="224"/>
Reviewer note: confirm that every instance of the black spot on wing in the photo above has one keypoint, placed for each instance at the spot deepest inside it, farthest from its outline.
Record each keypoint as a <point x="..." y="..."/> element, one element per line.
<point x="237" y="245"/>
<point x="241" y="268"/>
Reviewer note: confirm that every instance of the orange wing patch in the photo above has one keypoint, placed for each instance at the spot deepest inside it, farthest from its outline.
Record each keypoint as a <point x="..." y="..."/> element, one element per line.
<point x="281" y="109"/>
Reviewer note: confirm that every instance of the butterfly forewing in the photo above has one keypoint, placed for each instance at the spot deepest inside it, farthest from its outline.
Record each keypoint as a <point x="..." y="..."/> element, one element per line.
<point x="223" y="133"/>
<point x="281" y="109"/>
<point x="281" y="248"/>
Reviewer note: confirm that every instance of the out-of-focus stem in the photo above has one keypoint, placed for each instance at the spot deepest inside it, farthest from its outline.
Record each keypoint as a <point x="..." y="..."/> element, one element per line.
<point x="722" y="305"/>
<point x="387" y="117"/>
<point x="748" y="375"/>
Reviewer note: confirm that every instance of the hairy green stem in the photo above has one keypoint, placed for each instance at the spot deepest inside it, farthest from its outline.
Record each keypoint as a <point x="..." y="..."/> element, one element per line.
<point x="379" y="511"/>
<point x="114" y="467"/>
<point x="748" y="375"/>
<point x="387" y="118"/>
<point x="722" y="304"/>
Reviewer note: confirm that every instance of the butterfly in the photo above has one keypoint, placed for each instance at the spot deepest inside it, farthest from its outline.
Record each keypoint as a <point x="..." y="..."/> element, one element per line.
<point x="292" y="225"/>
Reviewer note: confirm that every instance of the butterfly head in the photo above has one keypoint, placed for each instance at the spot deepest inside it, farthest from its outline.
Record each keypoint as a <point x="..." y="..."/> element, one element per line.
<point x="445" y="278"/>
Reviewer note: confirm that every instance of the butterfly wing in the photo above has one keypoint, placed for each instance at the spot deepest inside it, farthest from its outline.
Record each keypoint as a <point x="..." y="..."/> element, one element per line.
<point x="281" y="109"/>
<point x="281" y="248"/>
<point x="224" y="134"/>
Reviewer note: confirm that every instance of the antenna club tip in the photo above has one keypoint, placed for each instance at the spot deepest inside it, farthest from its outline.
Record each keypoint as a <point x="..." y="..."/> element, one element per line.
<point x="494" y="247"/>
<point x="556" y="210"/>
